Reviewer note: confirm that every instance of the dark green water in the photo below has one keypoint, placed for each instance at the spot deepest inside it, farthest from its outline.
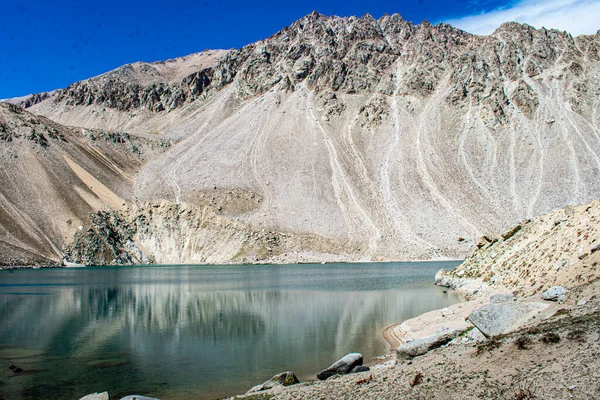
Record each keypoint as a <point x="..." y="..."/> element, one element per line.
<point x="197" y="331"/>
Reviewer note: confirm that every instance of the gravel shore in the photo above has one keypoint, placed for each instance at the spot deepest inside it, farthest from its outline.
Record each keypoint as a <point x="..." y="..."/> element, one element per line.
<point x="555" y="358"/>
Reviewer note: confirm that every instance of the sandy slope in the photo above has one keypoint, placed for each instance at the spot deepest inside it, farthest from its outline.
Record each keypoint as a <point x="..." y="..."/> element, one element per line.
<point x="558" y="248"/>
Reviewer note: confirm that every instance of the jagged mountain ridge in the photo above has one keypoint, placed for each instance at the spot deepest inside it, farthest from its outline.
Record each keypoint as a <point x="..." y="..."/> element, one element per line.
<point x="320" y="50"/>
<point x="378" y="132"/>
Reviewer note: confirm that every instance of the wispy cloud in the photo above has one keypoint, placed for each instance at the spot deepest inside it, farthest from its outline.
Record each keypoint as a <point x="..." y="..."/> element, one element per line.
<point x="574" y="16"/>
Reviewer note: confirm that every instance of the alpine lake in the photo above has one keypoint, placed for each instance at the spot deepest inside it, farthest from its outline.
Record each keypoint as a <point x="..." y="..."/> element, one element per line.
<point x="197" y="332"/>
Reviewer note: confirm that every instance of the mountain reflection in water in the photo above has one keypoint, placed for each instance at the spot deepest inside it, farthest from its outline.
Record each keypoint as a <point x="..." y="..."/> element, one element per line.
<point x="197" y="332"/>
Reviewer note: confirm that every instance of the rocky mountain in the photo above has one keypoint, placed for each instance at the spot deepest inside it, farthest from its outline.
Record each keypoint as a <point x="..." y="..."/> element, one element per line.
<point x="390" y="140"/>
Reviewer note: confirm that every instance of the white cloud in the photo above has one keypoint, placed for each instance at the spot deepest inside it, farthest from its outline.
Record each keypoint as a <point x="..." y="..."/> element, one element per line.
<point x="574" y="16"/>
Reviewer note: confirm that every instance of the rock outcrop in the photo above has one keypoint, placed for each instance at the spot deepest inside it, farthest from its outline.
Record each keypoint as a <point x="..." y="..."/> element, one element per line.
<point x="165" y="232"/>
<point x="550" y="251"/>
<point x="353" y="55"/>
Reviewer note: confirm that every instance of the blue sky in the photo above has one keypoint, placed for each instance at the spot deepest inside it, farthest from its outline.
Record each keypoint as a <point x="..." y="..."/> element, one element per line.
<point x="48" y="44"/>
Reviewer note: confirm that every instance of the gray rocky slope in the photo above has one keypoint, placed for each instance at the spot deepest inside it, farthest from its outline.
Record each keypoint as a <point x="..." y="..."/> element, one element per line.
<point x="52" y="177"/>
<point x="388" y="139"/>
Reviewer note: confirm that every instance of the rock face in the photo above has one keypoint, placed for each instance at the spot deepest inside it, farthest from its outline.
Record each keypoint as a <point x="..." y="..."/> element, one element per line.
<point x="501" y="318"/>
<point x="391" y="137"/>
<point x="155" y="87"/>
<point x="343" y="366"/>
<point x="165" y="232"/>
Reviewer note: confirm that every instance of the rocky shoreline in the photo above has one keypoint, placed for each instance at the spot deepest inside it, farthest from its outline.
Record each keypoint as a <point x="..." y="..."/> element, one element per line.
<point x="436" y="353"/>
<point x="510" y="338"/>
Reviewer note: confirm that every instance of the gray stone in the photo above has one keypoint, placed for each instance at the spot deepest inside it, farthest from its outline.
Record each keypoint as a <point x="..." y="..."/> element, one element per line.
<point x="421" y="346"/>
<point x="498" y="319"/>
<point x="555" y="293"/>
<point x="473" y="335"/>
<point x="562" y="299"/>
<point x="342" y="366"/>
<point x="476" y="336"/>
<point x="286" y="378"/>
<point x="360" y="368"/>
<point x="502" y="298"/>
<point x="96" y="396"/>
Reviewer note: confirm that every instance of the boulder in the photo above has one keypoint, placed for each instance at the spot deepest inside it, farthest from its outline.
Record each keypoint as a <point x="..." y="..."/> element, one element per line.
<point x="475" y="336"/>
<point x="138" y="397"/>
<point x="286" y="378"/>
<point x="502" y="298"/>
<point x="343" y="366"/>
<point x="360" y="368"/>
<point x="555" y="293"/>
<point x="96" y="396"/>
<point x="417" y="347"/>
<point x="470" y="336"/>
<point x="500" y="318"/>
